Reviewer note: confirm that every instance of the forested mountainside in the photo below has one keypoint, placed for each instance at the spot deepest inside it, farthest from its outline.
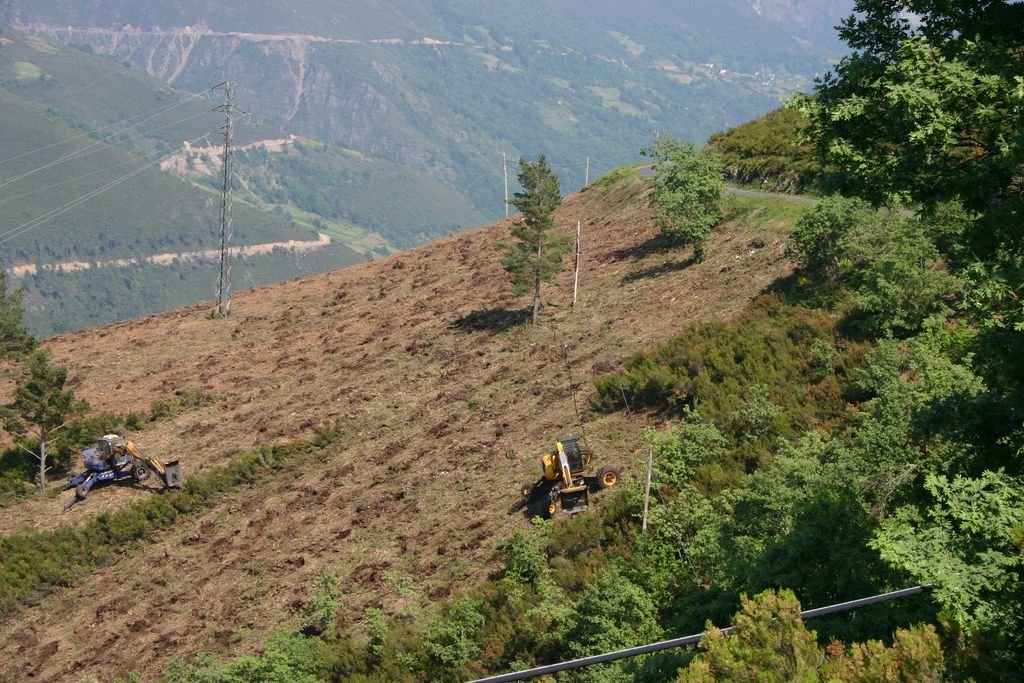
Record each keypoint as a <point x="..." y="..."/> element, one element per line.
<point x="84" y="182"/>
<point x="447" y="87"/>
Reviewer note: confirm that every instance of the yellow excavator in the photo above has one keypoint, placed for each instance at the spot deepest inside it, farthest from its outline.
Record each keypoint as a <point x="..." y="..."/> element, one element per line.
<point x="567" y="482"/>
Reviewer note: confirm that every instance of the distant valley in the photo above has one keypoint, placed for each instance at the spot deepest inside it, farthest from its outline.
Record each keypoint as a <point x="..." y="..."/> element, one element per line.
<point x="400" y="112"/>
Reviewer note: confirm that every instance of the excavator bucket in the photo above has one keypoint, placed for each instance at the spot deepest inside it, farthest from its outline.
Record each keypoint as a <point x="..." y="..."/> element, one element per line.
<point x="172" y="475"/>
<point x="574" y="499"/>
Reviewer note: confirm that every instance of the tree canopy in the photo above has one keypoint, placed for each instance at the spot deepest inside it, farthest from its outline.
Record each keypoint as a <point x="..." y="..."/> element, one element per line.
<point x="930" y="108"/>
<point x="687" y="192"/>
<point x="537" y="252"/>
<point x="928" y="112"/>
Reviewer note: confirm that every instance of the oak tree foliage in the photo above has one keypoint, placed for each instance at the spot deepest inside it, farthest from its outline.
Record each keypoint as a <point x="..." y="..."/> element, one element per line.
<point x="687" y="192"/>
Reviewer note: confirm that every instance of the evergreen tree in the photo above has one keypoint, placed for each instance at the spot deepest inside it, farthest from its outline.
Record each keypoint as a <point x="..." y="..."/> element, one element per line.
<point x="536" y="255"/>
<point x="15" y="338"/>
<point x="42" y="405"/>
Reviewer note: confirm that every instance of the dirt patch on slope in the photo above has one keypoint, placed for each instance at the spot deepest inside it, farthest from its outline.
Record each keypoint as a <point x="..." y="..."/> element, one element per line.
<point x="446" y="401"/>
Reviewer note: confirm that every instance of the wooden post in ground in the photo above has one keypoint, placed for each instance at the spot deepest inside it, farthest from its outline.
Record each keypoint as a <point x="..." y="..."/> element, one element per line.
<point x="647" y="489"/>
<point x="576" y="277"/>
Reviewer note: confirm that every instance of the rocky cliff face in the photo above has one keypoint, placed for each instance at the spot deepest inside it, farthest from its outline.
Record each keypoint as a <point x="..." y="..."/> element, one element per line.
<point x="160" y="53"/>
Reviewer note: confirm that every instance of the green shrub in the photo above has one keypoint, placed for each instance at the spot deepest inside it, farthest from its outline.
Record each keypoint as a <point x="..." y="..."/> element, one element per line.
<point x="896" y="280"/>
<point x="718" y="367"/>
<point x="186" y="399"/>
<point x="317" y="615"/>
<point x="818" y="244"/>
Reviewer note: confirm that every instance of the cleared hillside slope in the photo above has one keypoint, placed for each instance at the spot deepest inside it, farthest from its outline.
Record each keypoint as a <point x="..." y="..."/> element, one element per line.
<point x="411" y="356"/>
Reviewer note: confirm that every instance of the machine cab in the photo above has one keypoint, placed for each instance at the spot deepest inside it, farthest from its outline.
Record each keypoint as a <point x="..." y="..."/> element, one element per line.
<point x="577" y="458"/>
<point x="111" y="448"/>
<point x="568" y="453"/>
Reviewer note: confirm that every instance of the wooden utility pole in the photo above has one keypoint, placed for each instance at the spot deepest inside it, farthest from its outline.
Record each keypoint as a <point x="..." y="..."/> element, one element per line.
<point x="504" y="168"/>
<point x="223" y="307"/>
<point x="586" y="176"/>
<point x="576" y="277"/>
<point x="647" y="489"/>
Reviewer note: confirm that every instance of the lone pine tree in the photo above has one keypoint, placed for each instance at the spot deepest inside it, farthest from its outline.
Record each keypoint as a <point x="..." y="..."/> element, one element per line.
<point x="41" y="406"/>
<point x="536" y="254"/>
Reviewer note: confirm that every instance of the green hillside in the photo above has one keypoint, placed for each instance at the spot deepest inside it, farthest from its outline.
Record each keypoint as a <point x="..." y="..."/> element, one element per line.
<point x="88" y="92"/>
<point x="61" y="302"/>
<point x="49" y="167"/>
<point x="767" y="153"/>
<point x="573" y="80"/>
<point x="79" y="182"/>
<point x="130" y="111"/>
<point x="342" y="185"/>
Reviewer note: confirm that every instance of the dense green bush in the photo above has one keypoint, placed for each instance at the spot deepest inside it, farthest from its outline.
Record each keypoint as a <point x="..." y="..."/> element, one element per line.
<point x="896" y="279"/>
<point x="818" y="243"/>
<point x="767" y="153"/>
<point x="771" y="354"/>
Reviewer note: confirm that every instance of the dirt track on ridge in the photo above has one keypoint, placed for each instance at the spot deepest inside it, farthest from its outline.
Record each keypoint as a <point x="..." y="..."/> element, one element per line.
<point x="413" y="357"/>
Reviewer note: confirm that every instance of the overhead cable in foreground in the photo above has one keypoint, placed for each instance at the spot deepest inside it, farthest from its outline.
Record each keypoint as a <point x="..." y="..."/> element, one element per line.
<point x="691" y="640"/>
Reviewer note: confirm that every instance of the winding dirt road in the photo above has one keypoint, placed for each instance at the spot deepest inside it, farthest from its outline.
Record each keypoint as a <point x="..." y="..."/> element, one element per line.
<point x="169" y="258"/>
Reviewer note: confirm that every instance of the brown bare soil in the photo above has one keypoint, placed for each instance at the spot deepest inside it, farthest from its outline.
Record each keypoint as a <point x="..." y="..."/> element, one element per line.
<point x="447" y="399"/>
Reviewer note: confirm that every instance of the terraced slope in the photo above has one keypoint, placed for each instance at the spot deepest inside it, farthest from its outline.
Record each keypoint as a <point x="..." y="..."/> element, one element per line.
<point x="440" y="402"/>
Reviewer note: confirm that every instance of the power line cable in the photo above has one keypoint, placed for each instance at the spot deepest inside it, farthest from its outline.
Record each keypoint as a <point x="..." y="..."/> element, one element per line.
<point x="90" y="149"/>
<point x="71" y="91"/>
<point x="69" y="180"/>
<point x="50" y="215"/>
<point x="694" y="639"/>
<point x="92" y="173"/>
<point x="45" y="218"/>
<point x="151" y="114"/>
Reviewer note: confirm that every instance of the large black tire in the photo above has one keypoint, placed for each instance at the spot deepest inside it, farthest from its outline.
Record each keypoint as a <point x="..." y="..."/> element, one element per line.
<point x="81" y="491"/>
<point x="139" y="473"/>
<point x="608" y="477"/>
